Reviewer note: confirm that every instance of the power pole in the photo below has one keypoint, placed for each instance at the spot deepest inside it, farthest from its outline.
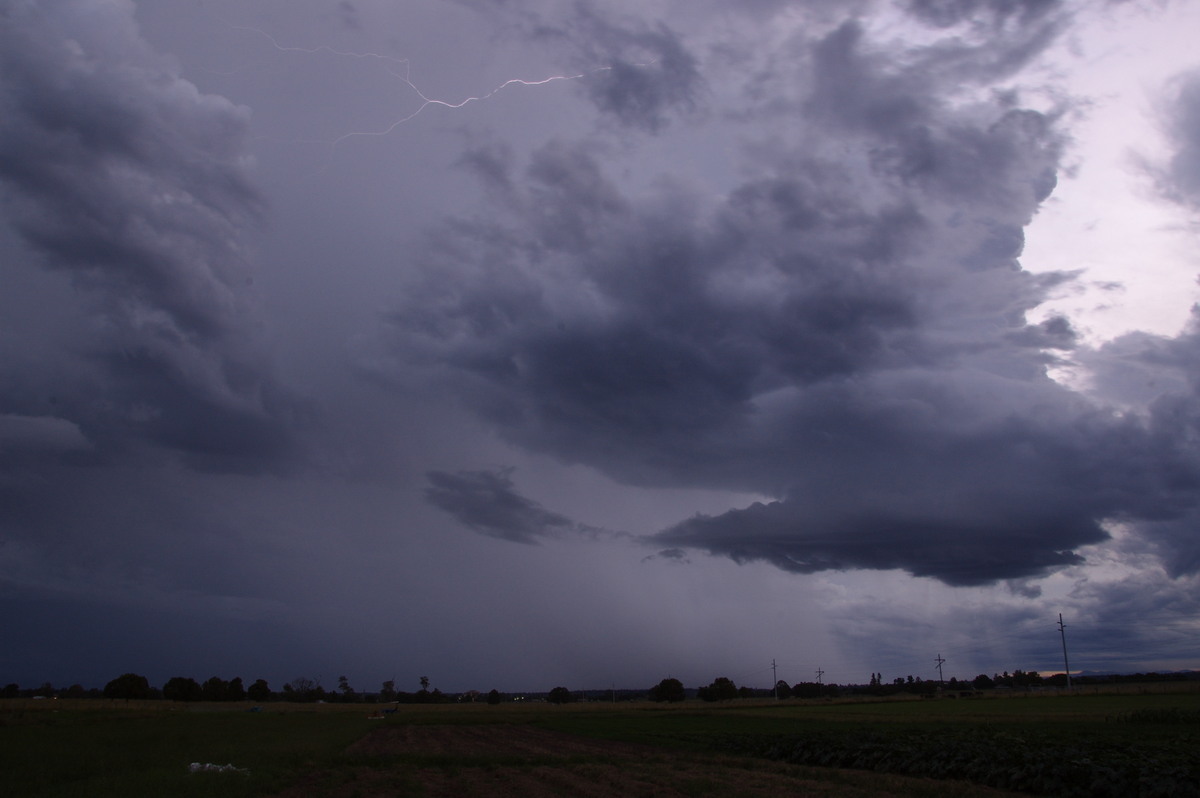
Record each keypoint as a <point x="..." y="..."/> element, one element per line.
<point x="1062" y="630"/>
<point x="939" y="662"/>
<point x="820" y="673"/>
<point x="774" y="680"/>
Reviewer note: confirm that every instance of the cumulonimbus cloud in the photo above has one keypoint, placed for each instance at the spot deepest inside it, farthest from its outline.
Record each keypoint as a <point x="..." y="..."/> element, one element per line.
<point x="843" y="330"/>
<point x="122" y="175"/>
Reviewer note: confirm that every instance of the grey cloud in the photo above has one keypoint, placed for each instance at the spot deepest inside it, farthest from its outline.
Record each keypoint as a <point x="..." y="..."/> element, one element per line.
<point x="488" y="503"/>
<point x="348" y="14"/>
<point x="39" y="433"/>
<point x="122" y="175"/>
<point x="638" y="74"/>
<point x="956" y="551"/>
<point x="1181" y="177"/>
<point x="1146" y="610"/>
<point x="945" y="13"/>
<point x="1055" y="332"/>
<point x="843" y="331"/>
<point x="670" y="555"/>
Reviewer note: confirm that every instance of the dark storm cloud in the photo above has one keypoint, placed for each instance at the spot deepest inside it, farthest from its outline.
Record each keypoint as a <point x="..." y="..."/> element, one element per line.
<point x="945" y="13"/>
<point x="670" y="555"/>
<point x="348" y="14"/>
<point x="843" y="331"/>
<point x="488" y="503"/>
<point x="121" y="175"/>
<point x="1001" y="35"/>
<point x="1181" y="177"/>
<point x="645" y="71"/>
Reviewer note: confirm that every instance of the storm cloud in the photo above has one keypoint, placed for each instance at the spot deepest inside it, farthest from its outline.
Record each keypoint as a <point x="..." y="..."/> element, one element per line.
<point x="488" y="503"/>
<point x="844" y="331"/>
<point x="121" y="175"/>
<point x="721" y="309"/>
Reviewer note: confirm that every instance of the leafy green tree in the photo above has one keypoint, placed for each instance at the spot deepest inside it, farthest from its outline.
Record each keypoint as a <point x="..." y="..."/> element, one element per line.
<point x="128" y="686"/>
<point x="560" y="695"/>
<point x="670" y="690"/>
<point x="181" y="688"/>
<point x="259" y="691"/>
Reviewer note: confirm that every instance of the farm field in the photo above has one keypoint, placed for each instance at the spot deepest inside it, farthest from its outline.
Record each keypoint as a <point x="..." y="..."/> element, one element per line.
<point x="1129" y="744"/>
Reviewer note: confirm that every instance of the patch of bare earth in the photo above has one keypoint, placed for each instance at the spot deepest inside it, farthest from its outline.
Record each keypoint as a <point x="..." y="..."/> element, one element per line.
<point x="524" y="761"/>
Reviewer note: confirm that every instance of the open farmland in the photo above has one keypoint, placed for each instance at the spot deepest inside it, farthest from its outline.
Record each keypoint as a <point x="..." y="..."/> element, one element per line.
<point x="1126" y="744"/>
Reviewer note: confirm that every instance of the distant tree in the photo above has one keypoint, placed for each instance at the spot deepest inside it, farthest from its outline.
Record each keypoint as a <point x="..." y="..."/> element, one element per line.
<point x="388" y="691"/>
<point x="259" y="691"/>
<point x="45" y="691"/>
<point x="425" y="684"/>
<point x="560" y="695"/>
<point x="782" y="690"/>
<point x="11" y="690"/>
<point x="236" y="691"/>
<point x="1026" y="679"/>
<point x="346" y="690"/>
<point x="494" y="697"/>
<point x="215" y="689"/>
<point x="983" y="682"/>
<point x="181" y="688"/>
<point x="722" y="689"/>
<point x="667" y="690"/>
<point x="127" y="686"/>
<point x="78" y="691"/>
<point x="303" y="689"/>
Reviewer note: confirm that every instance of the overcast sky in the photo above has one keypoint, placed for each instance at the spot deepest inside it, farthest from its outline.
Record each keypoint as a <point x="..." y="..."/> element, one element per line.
<point x="517" y="343"/>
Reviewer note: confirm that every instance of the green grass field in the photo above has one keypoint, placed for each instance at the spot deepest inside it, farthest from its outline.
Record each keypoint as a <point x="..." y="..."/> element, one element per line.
<point x="101" y="748"/>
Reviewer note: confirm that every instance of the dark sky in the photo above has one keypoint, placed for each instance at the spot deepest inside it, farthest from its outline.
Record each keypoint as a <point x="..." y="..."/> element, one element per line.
<point x="528" y="343"/>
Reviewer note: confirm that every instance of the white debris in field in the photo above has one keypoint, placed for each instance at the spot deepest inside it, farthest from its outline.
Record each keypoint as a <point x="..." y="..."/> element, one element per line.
<point x="209" y="767"/>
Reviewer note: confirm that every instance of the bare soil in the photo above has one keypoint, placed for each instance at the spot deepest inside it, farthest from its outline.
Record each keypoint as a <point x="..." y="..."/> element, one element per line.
<point x="511" y="761"/>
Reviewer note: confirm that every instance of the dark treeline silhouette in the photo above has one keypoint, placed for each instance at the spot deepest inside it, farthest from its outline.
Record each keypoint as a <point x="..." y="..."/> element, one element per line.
<point x="132" y="686"/>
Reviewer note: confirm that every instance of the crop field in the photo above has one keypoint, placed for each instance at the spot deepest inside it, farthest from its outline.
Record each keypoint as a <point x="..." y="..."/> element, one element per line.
<point x="1100" y="744"/>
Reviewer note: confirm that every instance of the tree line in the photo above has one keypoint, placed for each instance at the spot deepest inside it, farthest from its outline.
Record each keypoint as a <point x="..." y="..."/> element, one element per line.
<point x="132" y="686"/>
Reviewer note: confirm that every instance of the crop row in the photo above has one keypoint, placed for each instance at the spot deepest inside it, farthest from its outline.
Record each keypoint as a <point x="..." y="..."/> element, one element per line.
<point x="1031" y="764"/>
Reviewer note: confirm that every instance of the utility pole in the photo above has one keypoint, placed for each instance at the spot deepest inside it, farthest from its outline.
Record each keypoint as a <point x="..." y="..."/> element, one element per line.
<point x="1062" y="630"/>
<point x="939" y="662"/>
<point x="820" y="673"/>
<point x="774" y="680"/>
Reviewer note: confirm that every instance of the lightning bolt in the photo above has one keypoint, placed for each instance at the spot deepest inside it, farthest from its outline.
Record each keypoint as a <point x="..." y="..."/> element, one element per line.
<point x="400" y="68"/>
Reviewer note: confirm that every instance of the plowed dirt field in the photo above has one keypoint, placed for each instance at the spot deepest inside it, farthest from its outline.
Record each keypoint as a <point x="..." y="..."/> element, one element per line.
<point x="529" y="762"/>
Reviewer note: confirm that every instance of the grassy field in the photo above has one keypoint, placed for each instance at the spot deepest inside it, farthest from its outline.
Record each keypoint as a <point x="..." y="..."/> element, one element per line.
<point x="1139" y="743"/>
